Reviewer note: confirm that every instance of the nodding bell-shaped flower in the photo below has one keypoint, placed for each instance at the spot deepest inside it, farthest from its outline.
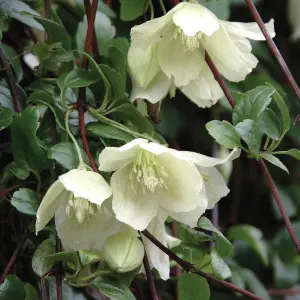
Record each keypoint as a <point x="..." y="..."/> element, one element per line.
<point x="169" y="52"/>
<point x="150" y="178"/>
<point x="81" y="220"/>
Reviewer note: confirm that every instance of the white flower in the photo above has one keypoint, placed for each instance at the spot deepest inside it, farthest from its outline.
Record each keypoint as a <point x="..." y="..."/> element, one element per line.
<point x="31" y="60"/>
<point x="293" y="16"/>
<point x="82" y="222"/>
<point x="168" y="52"/>
<point x="151" y="179"/>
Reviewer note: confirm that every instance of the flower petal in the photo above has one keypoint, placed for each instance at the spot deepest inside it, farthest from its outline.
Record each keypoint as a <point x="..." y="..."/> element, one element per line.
<point x="206" y="161"/>
<point x="215" y="185"/>
<point x="86" y="184"/>
<point x="51" y="201"/>
<point x="233" y="46"/>
<point x="176" y="61"/>
<point x="114" y="158"/>
<point x="131" y="205"/>
<point x="204" y="90"/>
<point x="193" y="18"/>
<point x="248" y="30"/>
<point x="155" y="91"/>
<point x="91" y="234"/>
<point x="157" y="258"/>
<point x="183" y="183"/>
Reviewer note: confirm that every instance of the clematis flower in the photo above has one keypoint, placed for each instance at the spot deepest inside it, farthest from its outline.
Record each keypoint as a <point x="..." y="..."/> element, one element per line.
<point x="82" y="221"/>
<point x="152" y="179"/>
<point x="169" y="52"/>
<point x="293" y="17"/>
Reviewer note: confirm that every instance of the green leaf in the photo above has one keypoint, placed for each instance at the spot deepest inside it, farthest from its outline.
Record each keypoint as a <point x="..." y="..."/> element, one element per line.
<point x="66" y="155"/>
<point x="113" y="290"/>
<point x="31" y="292"/>
<point x="269" y="124"/>
<point x="25" y="201"/>
<point x="219" y="267"/>
<point x="88" y="257"/>
<point x="224" y="133"/>
<point x="12" y="288"/>
<point x="191" y="235"/>
<point x="275" y="161"/>
<point x="251" y="236"/>
<point x="11" y="54"/>
<point x="223" y="246"/>
<point x="25" y="147"/>
<point x="81" y="78"/>
<point x="17" y="171"/>
<point x="250" y="133"/>
<point x="131" y="9"/>
<point x="118" y="60"/>
<point x="41" y="263"/>
<point x="252" y="103"/>
<point x="108" y="132"/>
<point x="292" y="152"/>
<point x="128" y="112"/>
<point x="192" y="286"/>
<point x="6" y="117"/>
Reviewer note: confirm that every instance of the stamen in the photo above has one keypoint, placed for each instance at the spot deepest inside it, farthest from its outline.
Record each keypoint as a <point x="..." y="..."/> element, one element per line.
<point x="190" y="43"/>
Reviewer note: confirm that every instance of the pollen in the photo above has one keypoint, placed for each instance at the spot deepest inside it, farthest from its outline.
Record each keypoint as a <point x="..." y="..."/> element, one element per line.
<point x="190" y="43"/>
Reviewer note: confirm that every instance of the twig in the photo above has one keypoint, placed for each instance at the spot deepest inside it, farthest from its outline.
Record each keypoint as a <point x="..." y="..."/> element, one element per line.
<point x="14" y="256"/>
<point x="188" y="267"/>
<point x="8" y="190"/>
<point x="267" y="175"/>
<point x="280" y="205"/>
<point x="273" y="48"/>
<point x="290" y="292"/>
<point x="11" y="81"/>
<point x="150" y="278"/>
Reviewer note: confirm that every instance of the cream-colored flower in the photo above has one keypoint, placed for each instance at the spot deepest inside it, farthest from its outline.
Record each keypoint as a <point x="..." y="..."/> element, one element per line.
<point x="168" y="53"/>
<point x="293" y="17"/>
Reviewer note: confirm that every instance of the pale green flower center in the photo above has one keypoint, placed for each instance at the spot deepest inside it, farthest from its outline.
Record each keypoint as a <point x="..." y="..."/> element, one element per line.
<point x="148" y="172"/>
<point x="80" y="209"/>
<point x="190" y="42"/>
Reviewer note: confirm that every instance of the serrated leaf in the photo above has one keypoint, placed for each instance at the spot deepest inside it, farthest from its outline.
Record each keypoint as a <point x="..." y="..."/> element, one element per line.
<point x="12" y="288"/>
<point x="275" y="161"/>
<point x="224" y="133"/>
<point x="6" y="117"/>
<point x="108" y="132"/>
<point x="250" y="134"/>
<point x="41" y="263"/>
<point x="131" y="9"/>
<point x="252" y="103"/>
<point x="292" y="152"/>
<point x="251" y="236"/>
<point x="219" y="266"/>
<point x="223" y="246"/>
<point x="269" y="124"/>
<point x="191" y="286"/>
<point x="25" y="201"/>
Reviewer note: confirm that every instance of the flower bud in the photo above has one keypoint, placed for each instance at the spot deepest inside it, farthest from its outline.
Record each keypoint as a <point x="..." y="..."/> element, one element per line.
<point x="123" y="251"/>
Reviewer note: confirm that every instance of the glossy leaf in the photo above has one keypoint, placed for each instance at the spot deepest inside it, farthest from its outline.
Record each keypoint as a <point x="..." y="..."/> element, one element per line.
<point x="269" y="124"/>
<point x="219" y="266"/>
<point x="275" y="161"/>
<point x="17" y="171"/>
<point x="12" y="288"/>
<point x="6" y="117"/>
<point x="25" y="201"/>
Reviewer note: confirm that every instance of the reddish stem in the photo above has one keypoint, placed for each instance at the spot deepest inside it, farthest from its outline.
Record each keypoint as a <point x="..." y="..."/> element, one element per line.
<point x="188" y="267"/>
<point x="150" y="278"/>
<point x="290" y="292"/>
<point x="8" y="190"/>
<point x="14" y="256"/>
<point x="273" y="48"/>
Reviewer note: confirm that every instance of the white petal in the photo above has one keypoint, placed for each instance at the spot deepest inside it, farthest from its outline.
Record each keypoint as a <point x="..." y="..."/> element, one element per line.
<point x="233" y="59"/>
<point x="215" y="185"/>
<point x="183" y="182"/>
<point x="157" y="258"/>
<point x="143" y="65"/>
<point x="175" y="61"/>
<point x="204" y="90"/>
<point x="206" y="161"/>
<point x="130" y="204"/>
<point x="114" y="158"/>
<point x="91" y="234"/>
<point x="31" y="60"/>
<point x="86" y="184"/>
<point x="248" y="30"/>
<point x="158" y="149"/>
<point x="173" y="241"/>
<point x="293" y="16"/>
<point x="156" y="91"/>
<point x="51" y="201"/>
<point x="193" y="18"/>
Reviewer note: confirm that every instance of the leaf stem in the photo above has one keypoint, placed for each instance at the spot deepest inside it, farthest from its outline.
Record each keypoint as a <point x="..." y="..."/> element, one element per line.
<point x="162" y="7"/>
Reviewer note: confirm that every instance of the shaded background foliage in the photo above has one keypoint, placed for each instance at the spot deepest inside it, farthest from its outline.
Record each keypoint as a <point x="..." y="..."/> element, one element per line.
<point x="264" y="258"/>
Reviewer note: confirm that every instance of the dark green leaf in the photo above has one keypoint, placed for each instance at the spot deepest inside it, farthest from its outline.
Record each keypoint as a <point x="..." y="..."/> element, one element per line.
<point x="117" y="60"/>
<point x="31" y="292"/>
<point x="224" y="247"/>
<point x="131" y="9"/>
<point x="224" y="133"/>
<point x="275" y="161"/>
<point x="122" y="44"/>
<point x="6" y="117"/>
<point x="251" y="236"/>
<point x="188" y="234"/>
<point x="25" y="201"/>
<point x="252" y="103"/>
<point x="192" y="286"/>
<point x="81" y="78"/>
<point x="250" y="133"/>
<point x="11" y="54"/>
<point x="26" y="150"/>
<point x="269" y="124"/>
<point x="17" y="171"/>
<point x="108" y="132"/>
<point x="12" y="289"/>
